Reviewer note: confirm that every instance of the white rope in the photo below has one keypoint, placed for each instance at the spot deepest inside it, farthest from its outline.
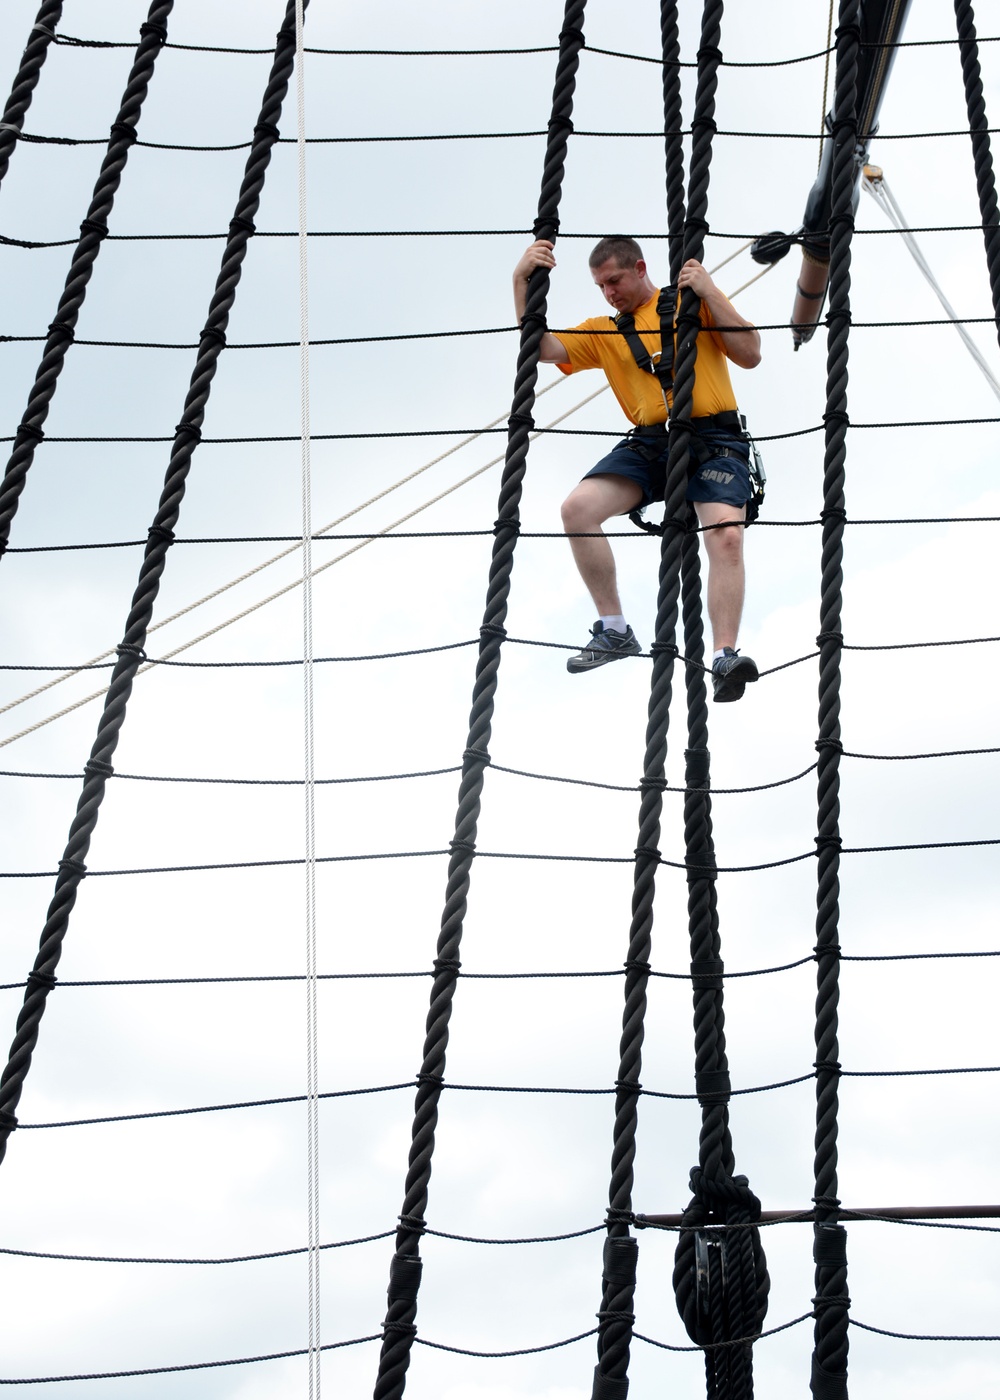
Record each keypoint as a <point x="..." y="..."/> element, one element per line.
<point x="332" y="525"/>
<point x="259" y="568"/>
<point x="312" y="1028"/>
<point x="878" y="188"/>
<point x="297" y="583"/>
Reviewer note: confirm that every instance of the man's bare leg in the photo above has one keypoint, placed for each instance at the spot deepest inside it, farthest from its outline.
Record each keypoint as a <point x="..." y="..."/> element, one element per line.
<point x="585" y="510"/>
<point x="595" y="500"/>
<point x="726" y="588"/>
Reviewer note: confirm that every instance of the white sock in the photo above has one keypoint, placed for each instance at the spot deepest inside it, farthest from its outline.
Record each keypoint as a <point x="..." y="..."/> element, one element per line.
<point x="614" y="624"/>
<point x="717" y="654"/>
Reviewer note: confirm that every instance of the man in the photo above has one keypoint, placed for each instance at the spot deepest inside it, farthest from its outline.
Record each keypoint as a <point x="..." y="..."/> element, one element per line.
<point x="633" y="473"/>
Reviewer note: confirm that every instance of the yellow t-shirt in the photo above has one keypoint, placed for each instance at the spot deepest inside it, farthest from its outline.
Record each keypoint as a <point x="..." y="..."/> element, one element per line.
<point x="637" y="391"/>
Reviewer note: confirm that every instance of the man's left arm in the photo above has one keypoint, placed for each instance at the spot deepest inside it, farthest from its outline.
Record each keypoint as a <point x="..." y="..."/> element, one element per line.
<point x="740" y="338"/>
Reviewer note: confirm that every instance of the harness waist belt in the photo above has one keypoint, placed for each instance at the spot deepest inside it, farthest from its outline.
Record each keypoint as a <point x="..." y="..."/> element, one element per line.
<point x="730" y="418"/>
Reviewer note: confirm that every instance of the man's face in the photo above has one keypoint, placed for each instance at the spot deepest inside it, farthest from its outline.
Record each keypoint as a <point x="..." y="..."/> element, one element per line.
<point x="623" y="287"/>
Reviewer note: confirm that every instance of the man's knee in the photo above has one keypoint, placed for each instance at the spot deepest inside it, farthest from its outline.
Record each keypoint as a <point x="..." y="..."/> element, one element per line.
<point x="724" y="540"/>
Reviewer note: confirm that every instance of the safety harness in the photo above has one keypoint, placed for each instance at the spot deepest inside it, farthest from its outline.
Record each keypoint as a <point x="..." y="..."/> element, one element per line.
<point x="648" y="440"/>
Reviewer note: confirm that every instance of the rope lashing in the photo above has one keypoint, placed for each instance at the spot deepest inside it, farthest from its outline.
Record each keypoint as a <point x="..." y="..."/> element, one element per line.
<point x="401" y="1313"/>
<point x="981" y="149"/>
<point x="130" y="653"/>
<point x="36" y="50"/>
<point x="829" y="1360"/>
<point x="93" y="231"/>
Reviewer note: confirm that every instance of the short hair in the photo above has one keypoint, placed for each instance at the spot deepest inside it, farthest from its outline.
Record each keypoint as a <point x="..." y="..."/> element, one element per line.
<point x="623" y="250"/>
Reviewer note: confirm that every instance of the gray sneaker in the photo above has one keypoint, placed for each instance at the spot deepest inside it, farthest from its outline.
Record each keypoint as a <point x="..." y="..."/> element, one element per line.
<point x="607" y="645"/>
<point x="731" y="674"/>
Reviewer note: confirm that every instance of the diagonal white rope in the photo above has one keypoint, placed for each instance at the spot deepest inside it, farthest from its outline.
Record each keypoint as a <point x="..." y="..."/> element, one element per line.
<point x="312" y="1027"/>
<point x="361" y="544"/>
<point x="274" y="559"/>
<point x="878" y="188"/>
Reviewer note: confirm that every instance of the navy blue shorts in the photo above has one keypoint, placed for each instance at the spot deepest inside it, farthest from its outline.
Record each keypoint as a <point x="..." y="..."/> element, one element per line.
<point x="724" y="477"/>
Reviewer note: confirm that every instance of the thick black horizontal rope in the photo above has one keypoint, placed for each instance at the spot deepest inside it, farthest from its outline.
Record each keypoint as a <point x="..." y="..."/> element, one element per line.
<point x="71" y="41"/>
<point x="399" y="336"/>
<point x="652" y="857"/>
<point x="435" y="136"/>
<point x="558" y="1090"/>
<point x="186" y="1366"/>
<point x="555" y="432"/>
<point x="728" y="974"/>
<point x="32" y="244"/>
<point x="472" y="534"/>
<point x="299" y="1249"/>
<point x="432" y="773"/>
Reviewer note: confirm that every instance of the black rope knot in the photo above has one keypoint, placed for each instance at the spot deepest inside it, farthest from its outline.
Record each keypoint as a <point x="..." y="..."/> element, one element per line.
<point x="837" y="416"/>
<point x="29" y="430"/>
<point x="833" y="513"/>
<point x="94" y="226"/>
<point x="827" y="1066"/>
<point x="637" y="965"/>
<point x="416" y="1223"/>
<point x="8" y="1121"/>
<point x="670" y="649"/>
<point x="447" y="965"/>
<point x="129" y="649"/>
<point x="477" y="756"/>
<point x="523" y="420"/>
<point x="834" y="745"/>
<point x="493" y="630"/>
<point x="467" y="848"/>
<point x="648" y="853"/>
<point x="837" y="638"/>
<point x="695" y="224"/>
<point x="712" y="1086"/>
<point x="267" y="129"/>
<point x="127" y="133"/>
<point x="709" y="54"/>
<point x="674" y="522"/>
<point x="240" y="225"/>
<point x="615" y="1315"/>
<point x="828" y="843"/>
<point x="434" y="1081"/>
<point x="191" y="429"/>
<point x="161" y="535"/>
<point x="706" y="973"/>
<point x="61" y="329"/>
<point x="44" y="980"/>
<point x="836" y="314"/>
<point x="73" y="867"/>
<point x="717" y="1192"/>
<point x="97" y="768"/>
<point x="398" y="1329"/>
<point x="652" y="784"/>
<point x="631" y="1086"/>
<point x="150" y="27"/>
<point x="571" y="35"/>
<point x="836" y="1300"/>
<point x="215" y="333"/>
<point x="545" y="226"/>
<point x="513" y="526"/>
<point x="616" y="1216"/>
<point x="827" y="950"/>
<point x="559" y="123"/>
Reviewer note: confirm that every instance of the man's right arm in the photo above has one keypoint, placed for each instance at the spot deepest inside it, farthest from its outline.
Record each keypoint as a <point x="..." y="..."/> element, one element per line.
<point x="540" y="254"/>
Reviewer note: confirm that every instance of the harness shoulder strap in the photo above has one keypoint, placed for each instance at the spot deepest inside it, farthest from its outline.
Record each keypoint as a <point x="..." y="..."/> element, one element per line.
<point x="663" y="367"/>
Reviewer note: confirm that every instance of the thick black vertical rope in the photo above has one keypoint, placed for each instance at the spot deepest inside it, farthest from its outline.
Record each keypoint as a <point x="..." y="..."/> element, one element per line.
<point x="982" y="154"/>
<point x="616" y="1319"/>
<point x="829" y="1362"/>
<point x="35" y="53"/>
<point x="130" y="653"/>
<point x="399" y="1328"/>
<point x="93" y="231"/>
<point x="672" y="137"/>
<point x="720" y="1277"/>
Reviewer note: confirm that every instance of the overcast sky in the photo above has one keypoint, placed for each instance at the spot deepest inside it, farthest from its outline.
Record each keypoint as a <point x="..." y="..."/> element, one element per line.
<point x="230" y="1183"/>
